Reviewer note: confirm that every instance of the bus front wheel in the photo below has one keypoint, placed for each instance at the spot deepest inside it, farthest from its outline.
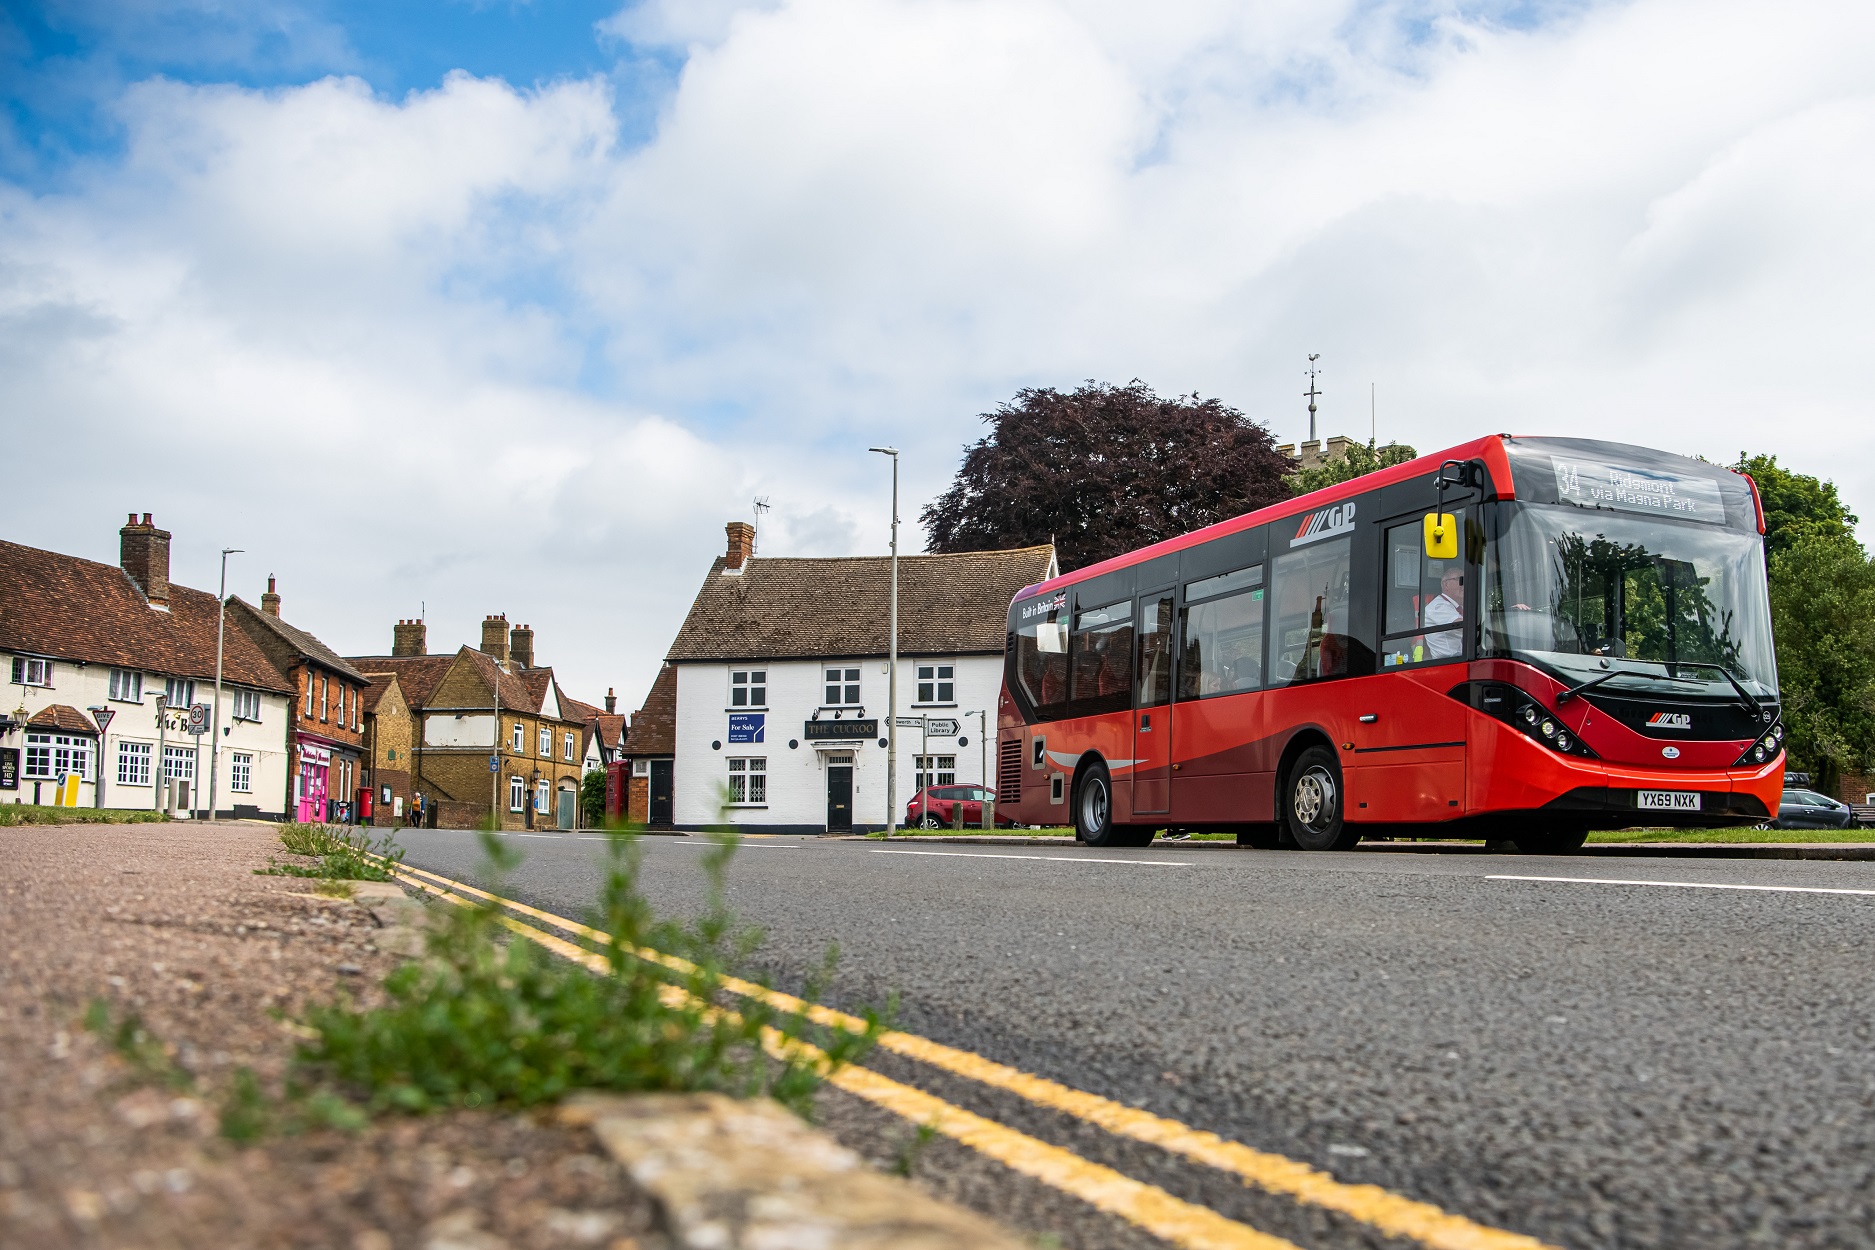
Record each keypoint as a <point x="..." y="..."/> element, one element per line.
<point x="1313" y="802"/>
<point x="1093" y="812"/>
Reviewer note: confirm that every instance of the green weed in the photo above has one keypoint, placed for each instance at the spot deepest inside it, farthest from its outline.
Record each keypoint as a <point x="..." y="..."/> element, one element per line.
<point x="137" y="1046"/>
<point x="12" y="814"/>
<point x="343" y="855"/>
<point x="486" y="1021"/>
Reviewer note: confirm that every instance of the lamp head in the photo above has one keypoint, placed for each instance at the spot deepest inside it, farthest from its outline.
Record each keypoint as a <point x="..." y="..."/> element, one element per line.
<point x="885" y="451"/>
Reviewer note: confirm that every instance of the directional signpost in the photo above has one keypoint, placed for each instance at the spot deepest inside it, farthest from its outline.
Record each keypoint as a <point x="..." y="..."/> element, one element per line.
<point x="929" y="727"/>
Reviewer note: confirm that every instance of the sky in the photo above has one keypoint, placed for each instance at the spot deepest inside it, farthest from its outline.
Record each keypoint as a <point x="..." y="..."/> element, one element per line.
<point x="507" y="306"/>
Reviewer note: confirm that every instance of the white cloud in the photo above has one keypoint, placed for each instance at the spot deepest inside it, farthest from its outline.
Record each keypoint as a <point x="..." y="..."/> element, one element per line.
<point x="469" y="348"/>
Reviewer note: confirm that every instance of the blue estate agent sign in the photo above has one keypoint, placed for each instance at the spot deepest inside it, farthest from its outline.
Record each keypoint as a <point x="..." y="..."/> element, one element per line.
<point x="748" y="726"/>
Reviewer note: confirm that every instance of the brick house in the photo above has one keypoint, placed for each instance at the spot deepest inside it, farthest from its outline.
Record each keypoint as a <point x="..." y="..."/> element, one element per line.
<point x="451" y="713"/>
<point x="650" y="753"/>
<point x="325" y="729"/>
<point x="780" y="676"/>
<point x="82" y="641"/>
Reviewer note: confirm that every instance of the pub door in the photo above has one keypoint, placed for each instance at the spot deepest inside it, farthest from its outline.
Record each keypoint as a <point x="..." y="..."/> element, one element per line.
<point x="839" y="798"/>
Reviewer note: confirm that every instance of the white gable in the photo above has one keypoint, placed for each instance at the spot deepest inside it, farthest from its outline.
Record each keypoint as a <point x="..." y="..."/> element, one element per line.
<point x="550" y="705"/>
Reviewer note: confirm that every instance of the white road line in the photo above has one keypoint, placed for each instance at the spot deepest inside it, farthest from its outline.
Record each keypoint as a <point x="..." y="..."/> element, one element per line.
<point x="700" y="843"/>
<point x="1063" y="859"/>
<point x="1693" y="885"/>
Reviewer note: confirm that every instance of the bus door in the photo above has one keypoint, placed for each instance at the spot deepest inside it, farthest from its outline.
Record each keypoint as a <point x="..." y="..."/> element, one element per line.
<point x="1409" y="742"/>
<point x="1152" y="705"/>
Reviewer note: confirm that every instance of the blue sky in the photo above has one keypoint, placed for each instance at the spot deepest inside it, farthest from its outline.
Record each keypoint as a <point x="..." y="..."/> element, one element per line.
<point x="510" y="307"/>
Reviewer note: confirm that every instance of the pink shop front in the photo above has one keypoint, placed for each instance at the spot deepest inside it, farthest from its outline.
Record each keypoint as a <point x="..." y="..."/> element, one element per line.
<point x="323" y="781"/>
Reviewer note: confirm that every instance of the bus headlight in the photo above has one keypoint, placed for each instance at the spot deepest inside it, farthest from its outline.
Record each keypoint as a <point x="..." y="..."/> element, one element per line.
<point x="1765" y="748"/>
<point x="1521" y="712"/>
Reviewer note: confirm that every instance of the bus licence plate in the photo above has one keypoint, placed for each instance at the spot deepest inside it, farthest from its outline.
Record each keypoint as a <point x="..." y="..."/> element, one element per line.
<point x="1668" y="800"/>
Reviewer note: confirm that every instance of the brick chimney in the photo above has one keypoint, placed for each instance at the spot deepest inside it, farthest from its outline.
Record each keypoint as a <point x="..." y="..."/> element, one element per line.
<point x="611" y="702"/>
<point x="521" y="645"/>
<point x="270" y="602"/>
<point x="741" y="544"/>
<point x="143" y="551"/>
<point x="410" y="638"/>
<point x="495" y="636"/>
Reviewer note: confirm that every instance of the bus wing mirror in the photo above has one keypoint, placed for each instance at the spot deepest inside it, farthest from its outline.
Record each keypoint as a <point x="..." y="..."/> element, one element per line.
<point x="1441" y="536"/>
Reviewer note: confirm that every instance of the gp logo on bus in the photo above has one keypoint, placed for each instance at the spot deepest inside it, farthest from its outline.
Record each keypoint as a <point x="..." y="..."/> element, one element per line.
<point x="1670" y="720"/>
<point x="1325" y="524"/>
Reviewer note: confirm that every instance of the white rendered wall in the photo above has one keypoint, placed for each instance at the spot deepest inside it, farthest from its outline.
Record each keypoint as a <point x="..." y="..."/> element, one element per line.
<point x="797" y="782"/>
<point x="89" y="685"/>
<point x="445" y="729"/>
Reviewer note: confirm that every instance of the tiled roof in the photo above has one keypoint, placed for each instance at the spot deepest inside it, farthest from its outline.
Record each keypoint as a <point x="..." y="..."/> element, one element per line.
<point x="417" y="675"/>
<point x="307" y="646"/>
<point x="782" y="609"/>
<point x="516" y="692"/>
<point x="654" y="728"/>
<point x="72" y="609"/>
<point x="379" y="687"/>
<point x="611" y="728"/>
<point x="62" y="718"/>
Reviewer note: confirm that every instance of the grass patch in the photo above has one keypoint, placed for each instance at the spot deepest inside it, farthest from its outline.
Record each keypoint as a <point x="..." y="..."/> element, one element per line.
<point x="38" y="814"/>
<point x="1734" y="835"/>
<point x="340" y="854"/>
<point x="485" y="1020"/>
<point x="148" y="1058"/>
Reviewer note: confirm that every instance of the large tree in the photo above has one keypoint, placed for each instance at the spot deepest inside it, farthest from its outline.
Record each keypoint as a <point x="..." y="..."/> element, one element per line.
<point x="1361" y="460"/>
<point x="1101" y="470"/>
<point x="1795" y="504"/>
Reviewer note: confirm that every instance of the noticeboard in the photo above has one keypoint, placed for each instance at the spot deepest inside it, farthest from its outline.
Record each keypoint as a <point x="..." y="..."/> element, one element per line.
<point x="9" y="768"/>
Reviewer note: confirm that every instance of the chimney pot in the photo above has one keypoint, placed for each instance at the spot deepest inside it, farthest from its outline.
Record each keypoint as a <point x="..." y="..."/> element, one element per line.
<point x="611" y="701"/>
<point x="495" y="636"/>
<point x="143" y="553"/>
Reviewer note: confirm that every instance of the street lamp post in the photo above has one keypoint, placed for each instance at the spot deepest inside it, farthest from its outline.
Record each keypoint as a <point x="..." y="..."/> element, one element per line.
<point x="891" y="681"/>
<point x="214" y="727"/>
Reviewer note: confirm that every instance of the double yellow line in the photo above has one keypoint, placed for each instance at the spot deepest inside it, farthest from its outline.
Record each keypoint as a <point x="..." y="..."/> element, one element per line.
<point x="1172" y="1219"/>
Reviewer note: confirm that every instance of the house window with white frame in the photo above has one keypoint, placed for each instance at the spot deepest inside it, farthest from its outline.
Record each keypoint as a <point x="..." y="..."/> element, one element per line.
<point x="519" y="739"/>
<point x="567" y="745"/>
<point x="937" y="683"/>
<point x="309" y="685"/>
<point x="126" y="685"/>
<point x="748" y="782"/>
<point x="936" y="770"/>
<point x="542" y="795"/>
<point x="546" y="742"/>
<point x="842" y="687"/>
<point x="247" y="705"/>
<point x="51" y="755"/>
<point x="133" y="763"/>
<point x="178" y="692"/>
<point x="241" y="772"/>
<point x="517" y="794"/>
<point x="28" y="671"/>
<point x="179" y="763"/>
<point x="748" y="687"/>
<point x="325" y="697"/>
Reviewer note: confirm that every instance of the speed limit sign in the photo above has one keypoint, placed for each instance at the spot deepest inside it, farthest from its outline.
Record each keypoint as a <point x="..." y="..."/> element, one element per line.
<point x="198" y="718"/>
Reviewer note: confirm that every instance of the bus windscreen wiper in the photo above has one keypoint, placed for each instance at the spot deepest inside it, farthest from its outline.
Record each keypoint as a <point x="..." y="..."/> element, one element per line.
<point x="1591" y="683"/>
<point x="1747" y="700"/>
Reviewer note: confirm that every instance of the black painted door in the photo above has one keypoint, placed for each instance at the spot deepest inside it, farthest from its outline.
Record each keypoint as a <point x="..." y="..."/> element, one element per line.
<point x="660" y="813"/>
<point x="839" y="798"/>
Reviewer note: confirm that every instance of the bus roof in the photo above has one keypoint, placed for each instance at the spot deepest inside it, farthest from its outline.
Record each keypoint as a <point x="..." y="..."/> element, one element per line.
<point x="1489" y="449"/>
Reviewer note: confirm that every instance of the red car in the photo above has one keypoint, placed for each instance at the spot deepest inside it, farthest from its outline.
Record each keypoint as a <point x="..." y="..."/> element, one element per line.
<point x="934" y="808"/>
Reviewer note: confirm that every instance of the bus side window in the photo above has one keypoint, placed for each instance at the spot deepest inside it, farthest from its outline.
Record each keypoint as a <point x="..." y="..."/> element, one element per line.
<point x="1042" y="663"/>
<point x="1424" y="601"/>
<point x="1309" y="635"/>
<point x="1222" y="635"/>
<point x="1155" y="651"/>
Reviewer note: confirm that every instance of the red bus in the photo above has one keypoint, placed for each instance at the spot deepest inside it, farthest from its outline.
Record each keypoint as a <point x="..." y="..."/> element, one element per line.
<point x="1519" y="639"/>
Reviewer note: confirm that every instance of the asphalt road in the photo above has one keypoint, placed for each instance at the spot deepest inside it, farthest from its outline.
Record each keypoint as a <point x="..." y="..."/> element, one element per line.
<point x="1593" y="1065"/>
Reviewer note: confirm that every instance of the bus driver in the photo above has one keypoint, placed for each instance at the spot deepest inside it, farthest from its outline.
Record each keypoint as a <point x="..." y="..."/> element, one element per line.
<point x="1446" y="608"/>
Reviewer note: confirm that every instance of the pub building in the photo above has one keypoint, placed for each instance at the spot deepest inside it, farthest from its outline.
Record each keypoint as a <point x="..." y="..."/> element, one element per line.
<point x="781" y="683"/>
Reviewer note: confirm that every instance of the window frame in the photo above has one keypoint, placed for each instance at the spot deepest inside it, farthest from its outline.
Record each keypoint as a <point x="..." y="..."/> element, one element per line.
<point x="241" y="772"/>
<point x="1248" y="584"/>
<point x="545" y="740"/>
<point x="1390" y="638"/>
<point x="122" y="677"/>
<point x="566" y="745"/>
<point x="748" y="781"/>
<point x="519" y="738"/>
<point x="930" y="771"/>
<point x="517" y="793"/>
<point x="23" y="667"/>
<point x="939" y="678"/>
<point x="752" y="685"/>
<point x="543" y="796"/>
<point x="851" y="685"/>
<point x="134" y="762"/>
<point x="184" y="758"/>
<point x="1304" y="560"/>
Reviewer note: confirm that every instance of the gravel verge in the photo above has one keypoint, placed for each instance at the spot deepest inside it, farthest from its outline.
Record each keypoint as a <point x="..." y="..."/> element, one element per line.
<point x="170" y="922"/>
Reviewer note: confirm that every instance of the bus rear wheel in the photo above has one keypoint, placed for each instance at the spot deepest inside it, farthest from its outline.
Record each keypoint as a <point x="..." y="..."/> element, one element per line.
<point x="1313" y="802"/>
<point x="1093" y="812"/>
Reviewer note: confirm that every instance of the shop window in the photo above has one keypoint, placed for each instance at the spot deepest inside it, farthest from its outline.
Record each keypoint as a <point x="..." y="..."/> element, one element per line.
<point x="748" y="782"/>
<point x="937" y="683"/>
<point x="749" y="687"/>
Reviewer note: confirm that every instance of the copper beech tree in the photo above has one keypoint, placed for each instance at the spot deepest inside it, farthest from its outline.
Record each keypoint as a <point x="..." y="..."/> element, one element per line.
<point x="1103" y="469"/>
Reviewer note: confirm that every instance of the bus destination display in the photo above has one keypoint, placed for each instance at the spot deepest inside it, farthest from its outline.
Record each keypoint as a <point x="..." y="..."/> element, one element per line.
<point x="1590" y="484"/>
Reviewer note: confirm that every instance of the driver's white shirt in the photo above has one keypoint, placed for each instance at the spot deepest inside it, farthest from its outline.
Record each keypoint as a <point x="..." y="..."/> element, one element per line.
<point x="1444" y="610"/>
